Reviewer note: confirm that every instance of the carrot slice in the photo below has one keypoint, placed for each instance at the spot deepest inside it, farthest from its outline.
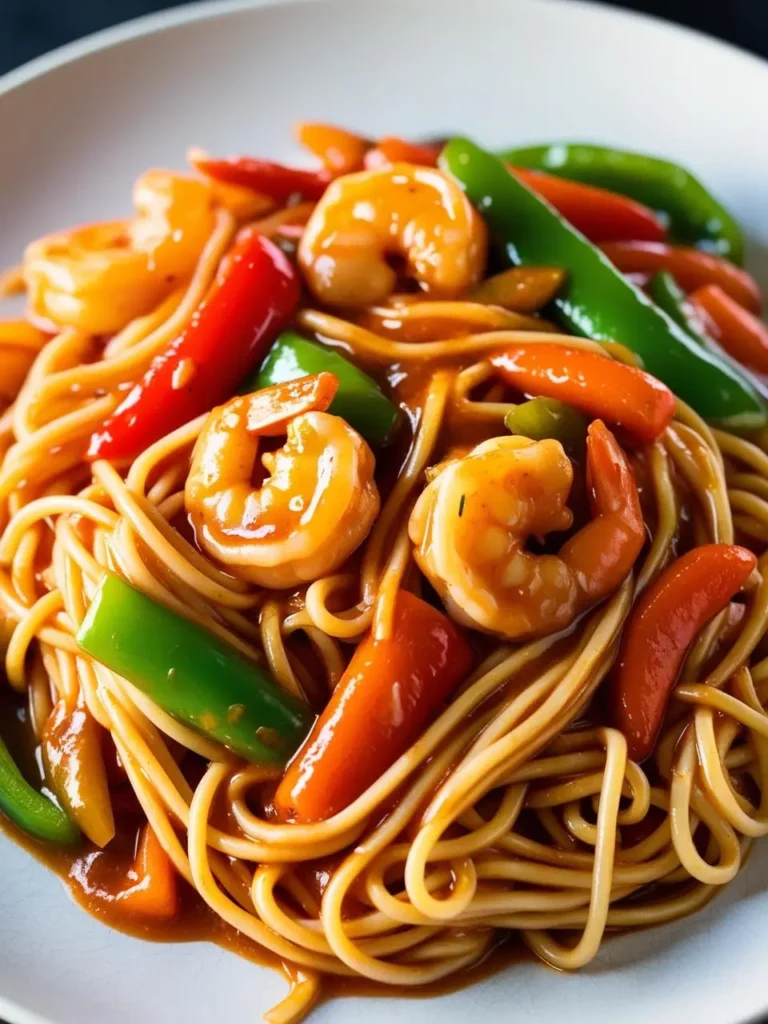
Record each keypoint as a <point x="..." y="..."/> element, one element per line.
<point x="388" y="694"/>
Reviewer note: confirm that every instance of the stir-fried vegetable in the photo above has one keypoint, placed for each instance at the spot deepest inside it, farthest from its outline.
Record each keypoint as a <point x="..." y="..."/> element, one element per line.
<point x="690" y="268"/>
<point x="275" y="181"/>
<point x="340" y="151"/>
<point x="663" y="625"/>
<point x="591" y="383"/>
<point x="521" y="289"/>
<point x="697" y="324"/>
<point x="387" y="696"/>
<point x="192" y="674"/>
<point x="398" y="151"/>
<point x="74" y="767"/>
<point x="694" y="215"/>
<point x="540" y="418"/>
<point x="31" y="811"/>
<point x="740" y="332"/>
<point x="597" y="301"/>
<point x="151" y="889"/>
<point x="600" y="215"/>
<point x="670" y="297"/>
<point x="254" y="296"/>
<point x="359" y="399"/>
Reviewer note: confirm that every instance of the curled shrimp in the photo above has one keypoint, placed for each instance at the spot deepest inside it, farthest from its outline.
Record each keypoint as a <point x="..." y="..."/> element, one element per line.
<point x="416" y="213"/>
<point x="471" y="524"/>
<point x="101" y="276"/>
<point x="314" y="508"/>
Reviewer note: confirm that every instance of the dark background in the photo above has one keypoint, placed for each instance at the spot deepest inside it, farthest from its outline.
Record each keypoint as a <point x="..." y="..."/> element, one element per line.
<point x="30" y="27"/>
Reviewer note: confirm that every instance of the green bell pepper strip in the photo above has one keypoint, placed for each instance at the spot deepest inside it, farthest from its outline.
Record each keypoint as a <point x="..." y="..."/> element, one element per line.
<point x="597" y="301"/>
<point x="541" y="418"/>
<point x="32" y="811"/>
<point x="193" y="675"/>
<point x="693" y="214"/>
<point x="670" y="297"/>
<point x="359" y="400"/>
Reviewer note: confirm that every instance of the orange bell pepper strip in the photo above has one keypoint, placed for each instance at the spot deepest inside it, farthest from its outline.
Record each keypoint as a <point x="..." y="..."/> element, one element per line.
<point x="663" y="625"/>
<point x="691" y="268"/>
<point x="340" y="151"/>
<point x="397" y="151"/>
<point x="595" y="385"/>
<point x="153" y="889"/>
<point x="600" y="215"/>
<point x="740" y="332"/>
<point x="389" y="693"/>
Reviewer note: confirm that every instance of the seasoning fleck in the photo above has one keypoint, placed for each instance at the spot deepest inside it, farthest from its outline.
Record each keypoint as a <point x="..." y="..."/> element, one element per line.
<point x="208" y="722"/>
<point x="234" y="713"/>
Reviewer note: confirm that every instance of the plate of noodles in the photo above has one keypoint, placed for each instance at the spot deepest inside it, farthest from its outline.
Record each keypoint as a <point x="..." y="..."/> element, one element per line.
<point x="383" y="519"/>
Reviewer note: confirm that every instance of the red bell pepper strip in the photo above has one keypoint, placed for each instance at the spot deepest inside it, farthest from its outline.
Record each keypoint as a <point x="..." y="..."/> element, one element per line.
<point x="276" y="181"/>
<point x="340" y="151"/>
<point x="152" y="890"/>
<point x="740" y="332"/>
<point x="691" y="268"/>
<point x="250" y="303"/>
<point x="398" y="151"/>
<point x="600" y="215"/>
<point x="663" y="625"/>
<point x="390" y="691"/>
<point x="596" y="386"/>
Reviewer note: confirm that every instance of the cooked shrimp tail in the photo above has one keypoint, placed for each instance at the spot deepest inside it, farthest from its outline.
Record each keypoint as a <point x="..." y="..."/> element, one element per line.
<point x="600" y="552"/>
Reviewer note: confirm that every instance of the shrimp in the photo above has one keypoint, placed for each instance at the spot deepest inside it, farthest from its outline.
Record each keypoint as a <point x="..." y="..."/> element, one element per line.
<point x="20" y="344"/>
<point x="471" y="523"/>
<point x="101" y="276"/>
<point x="314" y="508"/>
<point x="416" y="213"/>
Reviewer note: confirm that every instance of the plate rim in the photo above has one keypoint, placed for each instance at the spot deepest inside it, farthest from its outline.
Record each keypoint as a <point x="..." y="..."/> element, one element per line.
<point x="205" y="10"/>
<point x="196" y="11"/>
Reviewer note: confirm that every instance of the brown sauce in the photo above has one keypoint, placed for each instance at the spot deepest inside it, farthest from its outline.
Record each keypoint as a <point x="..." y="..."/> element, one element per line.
<point x="84" y="872"/>
<point x="91" y="876"/>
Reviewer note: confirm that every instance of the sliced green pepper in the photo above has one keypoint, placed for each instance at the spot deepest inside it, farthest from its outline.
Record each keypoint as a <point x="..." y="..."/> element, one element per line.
<point x="695" y="217"/>
<point x="669" y="296"/>
<point x="192" y="674"/>
<point x="596" y="300"/>
<point x="359" y="400"/>
<point x="32" y="811"/>
<point x="540" y="418"/>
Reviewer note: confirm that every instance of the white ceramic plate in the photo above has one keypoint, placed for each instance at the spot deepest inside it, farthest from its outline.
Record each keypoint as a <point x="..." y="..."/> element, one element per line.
<point x="75" y="130"/>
